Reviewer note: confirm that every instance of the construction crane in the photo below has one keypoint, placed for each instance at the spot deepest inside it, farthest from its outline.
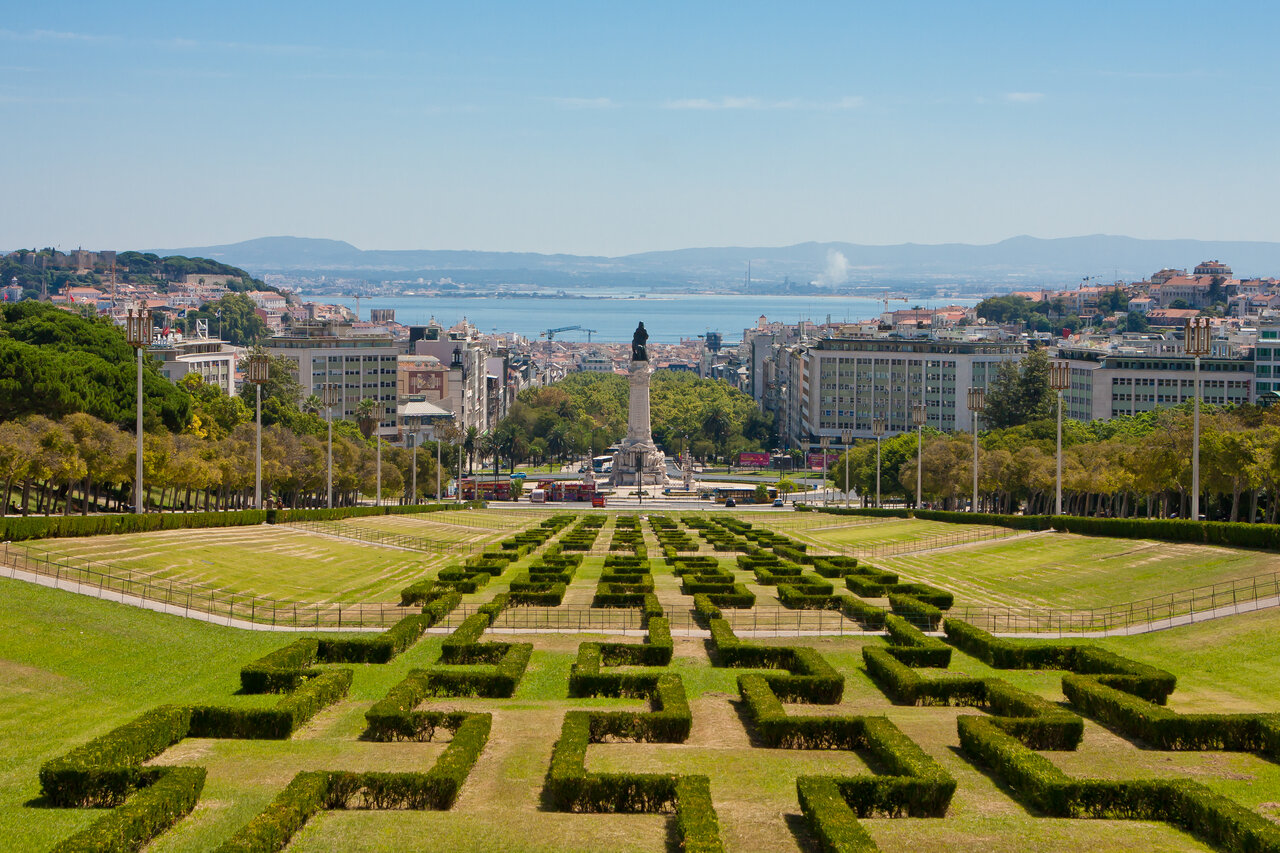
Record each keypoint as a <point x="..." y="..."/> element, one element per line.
<point x="886" y="299"/>
<point x="550" y="334"/>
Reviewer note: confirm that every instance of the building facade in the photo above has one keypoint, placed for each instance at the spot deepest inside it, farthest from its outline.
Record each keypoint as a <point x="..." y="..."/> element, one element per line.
<point x="823" y="387"/>
<point x="364" y="365"/>
<point x="1111" y="384"/>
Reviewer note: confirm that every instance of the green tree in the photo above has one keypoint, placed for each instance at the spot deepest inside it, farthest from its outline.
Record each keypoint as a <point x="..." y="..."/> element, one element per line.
<point x="1020" y="392"/>
<point x="234" y="317"/>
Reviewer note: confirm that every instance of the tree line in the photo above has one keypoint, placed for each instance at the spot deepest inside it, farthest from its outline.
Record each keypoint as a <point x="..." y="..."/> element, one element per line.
<point x="585" y="413"/>
<point x="1137" y="466"/>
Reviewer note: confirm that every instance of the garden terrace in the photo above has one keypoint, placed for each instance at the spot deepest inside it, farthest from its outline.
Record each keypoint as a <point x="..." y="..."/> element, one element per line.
<point x="441" y="729"/>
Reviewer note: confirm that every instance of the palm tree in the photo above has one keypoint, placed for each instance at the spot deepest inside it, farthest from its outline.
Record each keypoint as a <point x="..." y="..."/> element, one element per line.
<point x="470" y="444"/>
<point x="367" y="416"/>
<point x="313" y="405"/>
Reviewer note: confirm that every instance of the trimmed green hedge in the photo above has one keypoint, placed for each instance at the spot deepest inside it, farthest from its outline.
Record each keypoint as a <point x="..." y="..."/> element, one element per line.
<point x="915" y="609"/>
<point x="143" y="816"/>
<point x="1185" y="804"/>
<point x="808" y="676"/>
<point x="912" y="782"/>
<point x="1148" y="682"/>
<point x="1165" y="729"/>
<point x="311" y="792"/>
<point x="1229" y="533"/>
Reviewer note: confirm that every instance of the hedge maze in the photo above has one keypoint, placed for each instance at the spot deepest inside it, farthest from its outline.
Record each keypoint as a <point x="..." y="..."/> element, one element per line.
<point x="791" y="695"/>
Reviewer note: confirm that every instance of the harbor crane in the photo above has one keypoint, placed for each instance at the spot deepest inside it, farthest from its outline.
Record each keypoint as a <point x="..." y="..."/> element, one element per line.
<point x="550" y="334"/>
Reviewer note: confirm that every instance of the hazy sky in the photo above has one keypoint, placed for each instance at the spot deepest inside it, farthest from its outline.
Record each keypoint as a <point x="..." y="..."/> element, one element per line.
<point x="607" y="128"/>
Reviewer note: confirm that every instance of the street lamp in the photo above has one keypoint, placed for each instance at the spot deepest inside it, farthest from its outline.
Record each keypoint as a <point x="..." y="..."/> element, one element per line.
<point x="977" y="402"/>
<point x="878" y="426"/>
<point x="1197" y="340"/>
<point x="1059" y="380"/>
<point x="918" y="414"/>
<point x="138" y="329"/>
<point x="846" y="436"/>
<point x="825" y="443"/>
<point x="331" y="395"/>
<point x="257" y="369"/>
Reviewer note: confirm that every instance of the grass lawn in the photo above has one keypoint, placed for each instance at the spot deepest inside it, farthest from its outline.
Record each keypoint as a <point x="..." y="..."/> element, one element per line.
<point x="274" y="561"/>
<point x="843" y="537"/>
<point x="75" y="667"/>
<point x="1064" y="570"/>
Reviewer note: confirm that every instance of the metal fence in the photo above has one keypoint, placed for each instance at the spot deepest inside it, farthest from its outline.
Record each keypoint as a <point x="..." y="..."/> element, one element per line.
<point x="140" y="588"/>
<point x="1148" y="614"/>
<point x="131" y="586"/>
<point x="931" y="543"/>
<point x="386" y="537"/>
<point x="761" y="621"/>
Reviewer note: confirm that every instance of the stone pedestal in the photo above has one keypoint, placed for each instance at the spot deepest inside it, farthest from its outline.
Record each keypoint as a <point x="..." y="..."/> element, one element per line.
<point x="638" y="461"/>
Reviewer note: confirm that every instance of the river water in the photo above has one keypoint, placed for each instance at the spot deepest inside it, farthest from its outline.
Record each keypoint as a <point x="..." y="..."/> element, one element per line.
<point x="667" y="317"/>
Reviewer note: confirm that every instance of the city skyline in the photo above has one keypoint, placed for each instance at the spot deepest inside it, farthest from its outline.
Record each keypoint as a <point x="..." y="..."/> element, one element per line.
<point x="606" y="132"/>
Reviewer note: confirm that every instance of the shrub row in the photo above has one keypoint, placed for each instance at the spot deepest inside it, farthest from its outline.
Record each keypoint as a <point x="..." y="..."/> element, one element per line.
<point x="808" y="677"/>
<point x="871" y="617"/>
<point x="285" y="668"/>
<point x="916" y="610"/>
<point x="1148" y="682"/>
<point x="569" y="787"/>
<point x="1035" y="720"/>
<point x="310" y="792"/>
<point x="1188" y="805"/>
<point x="143" y="816"/>
<point x="912" y="647"/>
<point x="106" y="770"/>
<point x="913" y="784"/>
<point x="1228" y="533"/>
<point x="1165" y="729"/>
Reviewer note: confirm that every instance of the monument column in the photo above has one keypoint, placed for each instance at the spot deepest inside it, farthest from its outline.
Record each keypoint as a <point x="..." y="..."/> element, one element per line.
<point x="639" y="428"/>
<point x="638" y="461"/>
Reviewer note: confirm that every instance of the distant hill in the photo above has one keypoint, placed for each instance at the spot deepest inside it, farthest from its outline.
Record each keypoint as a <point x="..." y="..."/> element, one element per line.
<point x="1017" y="261"/>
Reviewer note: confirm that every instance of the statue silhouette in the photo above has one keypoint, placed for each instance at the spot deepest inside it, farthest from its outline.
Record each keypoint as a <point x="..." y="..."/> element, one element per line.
<point x="639" y="352"/>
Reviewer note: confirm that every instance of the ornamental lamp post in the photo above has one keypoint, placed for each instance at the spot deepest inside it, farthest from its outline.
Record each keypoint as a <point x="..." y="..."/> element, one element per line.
<point x="1059" y="381"/>
<point x="1196" y="336"/>
<point x="977" y="402"/>
<point x="878" y="427"/>
<point x="331" y="396"/>
<point x="846" y="436"/>
<point x="825" y="444"/>
<point x="918" y="415"/>
<point x="257" y="370"/>
<point x="138" y="331"/>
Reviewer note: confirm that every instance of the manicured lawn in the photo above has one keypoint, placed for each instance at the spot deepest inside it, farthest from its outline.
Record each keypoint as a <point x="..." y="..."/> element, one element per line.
<point x="861" y="534"/>
<point x="1064" y="570"/>
<point x="274" y="561"/>
<point x="75" y="667"/>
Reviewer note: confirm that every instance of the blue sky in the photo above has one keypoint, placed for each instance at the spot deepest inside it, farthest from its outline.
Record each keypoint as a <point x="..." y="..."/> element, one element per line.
<point x="602" y="128"/>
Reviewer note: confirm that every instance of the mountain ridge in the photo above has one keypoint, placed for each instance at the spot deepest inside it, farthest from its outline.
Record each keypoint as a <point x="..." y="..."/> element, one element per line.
<point x="1056" y="260"/>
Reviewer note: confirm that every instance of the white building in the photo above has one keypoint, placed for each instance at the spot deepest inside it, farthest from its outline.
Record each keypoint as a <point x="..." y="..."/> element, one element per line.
<point x="364" y="365"/>
<point x="209" y="357"/>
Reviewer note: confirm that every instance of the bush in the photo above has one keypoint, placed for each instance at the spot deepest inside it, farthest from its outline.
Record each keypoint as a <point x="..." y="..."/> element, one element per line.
<point x="1189" y="805"/>
<point x="1149" y="682"/>
<point x="309" y="792"/>
<point x="143" y="816"/>
<point x="107" y="769"/>
<point x="915" y="609"/>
